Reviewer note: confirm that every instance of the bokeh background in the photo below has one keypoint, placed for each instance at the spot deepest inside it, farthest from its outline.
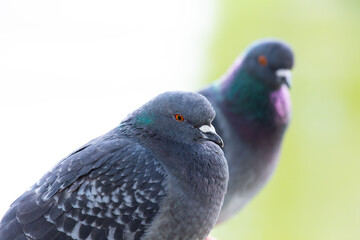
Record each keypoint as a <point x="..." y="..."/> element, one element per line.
<point x="70" y="71"/>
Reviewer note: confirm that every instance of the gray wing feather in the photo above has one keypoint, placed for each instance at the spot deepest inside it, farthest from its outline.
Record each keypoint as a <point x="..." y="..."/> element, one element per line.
<point x="108" y="189"/>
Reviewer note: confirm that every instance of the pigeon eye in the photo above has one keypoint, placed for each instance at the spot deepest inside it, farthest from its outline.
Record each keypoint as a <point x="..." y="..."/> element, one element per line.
<point x="262" y="60"/>
<point x="179" y="117"/>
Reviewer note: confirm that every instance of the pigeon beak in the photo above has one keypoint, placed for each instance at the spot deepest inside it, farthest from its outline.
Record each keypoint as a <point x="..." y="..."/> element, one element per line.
<point x="284" y="76"/>
<point x="210" y="134"/>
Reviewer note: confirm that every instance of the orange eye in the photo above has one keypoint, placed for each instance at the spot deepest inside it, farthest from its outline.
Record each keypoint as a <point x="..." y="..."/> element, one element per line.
<point x="262" y="60"/>
<point x="179" y="117"/>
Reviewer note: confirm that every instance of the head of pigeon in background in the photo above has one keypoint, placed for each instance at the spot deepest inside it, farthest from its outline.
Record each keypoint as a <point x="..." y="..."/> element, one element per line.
<point x="269" y="62"/>
<point x="257" y="85"/>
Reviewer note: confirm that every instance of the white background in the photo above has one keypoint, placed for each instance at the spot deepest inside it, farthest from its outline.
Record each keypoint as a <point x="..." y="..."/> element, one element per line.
<point x="71" y="70"/>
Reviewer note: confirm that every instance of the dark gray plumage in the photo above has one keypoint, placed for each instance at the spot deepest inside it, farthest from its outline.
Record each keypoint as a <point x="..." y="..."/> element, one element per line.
<point x="159" y="175"/>
<point x="253" y="108"/>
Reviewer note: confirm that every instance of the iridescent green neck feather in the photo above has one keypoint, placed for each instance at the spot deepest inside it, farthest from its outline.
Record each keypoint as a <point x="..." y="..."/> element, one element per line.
<point x="246" y="96"/>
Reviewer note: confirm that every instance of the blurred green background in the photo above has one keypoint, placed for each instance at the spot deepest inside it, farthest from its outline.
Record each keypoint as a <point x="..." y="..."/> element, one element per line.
<point x="315" y="192"/>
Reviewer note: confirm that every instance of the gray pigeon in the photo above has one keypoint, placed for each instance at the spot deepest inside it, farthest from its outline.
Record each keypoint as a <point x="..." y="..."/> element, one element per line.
<point x="252" y="104"/>
<point x="160" y="174"/>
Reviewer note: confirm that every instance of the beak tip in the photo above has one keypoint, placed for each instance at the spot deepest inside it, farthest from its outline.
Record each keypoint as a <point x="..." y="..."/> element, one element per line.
<point x="217" y="140"/>
<point x="288" y="83"/>
<point x="284" y="76"/>
<point x="210" y="134"/>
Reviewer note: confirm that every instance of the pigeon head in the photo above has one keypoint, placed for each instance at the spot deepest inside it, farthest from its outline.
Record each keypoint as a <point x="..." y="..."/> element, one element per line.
<point x="180" y="117"/>
<point x="269" y="61"/>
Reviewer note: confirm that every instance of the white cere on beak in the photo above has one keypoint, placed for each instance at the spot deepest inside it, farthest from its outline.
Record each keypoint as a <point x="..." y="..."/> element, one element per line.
<point x="286" y="74"/>
<point x="207" y="128"/>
